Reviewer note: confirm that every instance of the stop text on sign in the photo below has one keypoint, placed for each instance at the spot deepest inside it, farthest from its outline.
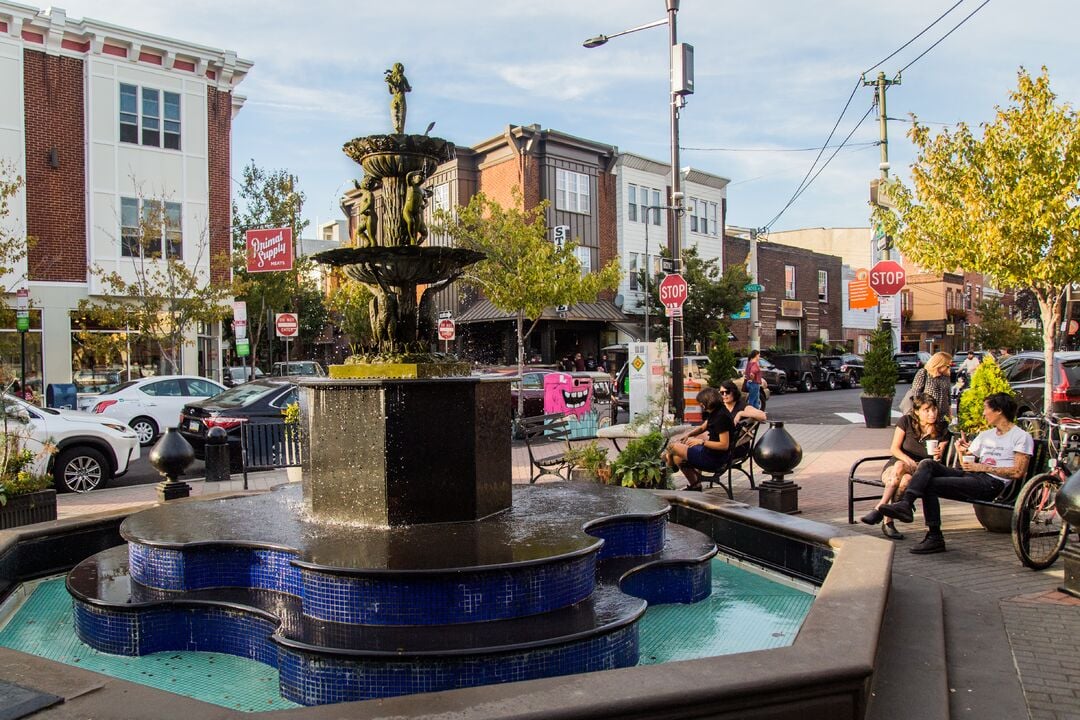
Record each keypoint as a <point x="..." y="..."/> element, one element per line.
<point x="673" y="291"/>
<point x="887" y="277"/>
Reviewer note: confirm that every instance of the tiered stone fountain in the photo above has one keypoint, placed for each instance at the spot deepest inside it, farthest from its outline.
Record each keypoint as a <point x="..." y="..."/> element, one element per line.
<point x="406" y="561"/>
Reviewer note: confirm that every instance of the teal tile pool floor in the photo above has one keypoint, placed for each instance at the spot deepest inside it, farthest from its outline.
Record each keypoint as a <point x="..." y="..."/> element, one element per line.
<point x="746" y="611"/>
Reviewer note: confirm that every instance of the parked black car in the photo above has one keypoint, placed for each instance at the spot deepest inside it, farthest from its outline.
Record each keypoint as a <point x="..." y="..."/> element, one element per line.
<point x="1026" y="373"/>
<point x="775" y="378"/>
<point x="909" y="363"/>
<point x="805" y="372"/>
<point x="258" y="401"/>
<point x="848" y="368"/>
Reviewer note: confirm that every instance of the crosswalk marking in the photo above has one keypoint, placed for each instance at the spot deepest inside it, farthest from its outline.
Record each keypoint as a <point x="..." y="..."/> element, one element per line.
<point x="858" y="417"/>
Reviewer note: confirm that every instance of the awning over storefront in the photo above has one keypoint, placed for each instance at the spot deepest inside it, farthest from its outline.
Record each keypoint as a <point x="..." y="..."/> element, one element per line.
<point x="599" y="311"/>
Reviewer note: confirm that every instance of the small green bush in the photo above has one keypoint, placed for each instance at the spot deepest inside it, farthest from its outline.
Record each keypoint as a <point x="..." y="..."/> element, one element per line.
<point x="987" y="380"/>
<point x="639" y="464"/>
<point x="591" y="457"/>
<point x="880" y="373"/>
<point x="721" y="365"/>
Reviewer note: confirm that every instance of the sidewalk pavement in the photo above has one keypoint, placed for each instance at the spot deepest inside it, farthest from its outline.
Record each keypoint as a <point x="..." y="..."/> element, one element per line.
<point x="1042" y="623"/>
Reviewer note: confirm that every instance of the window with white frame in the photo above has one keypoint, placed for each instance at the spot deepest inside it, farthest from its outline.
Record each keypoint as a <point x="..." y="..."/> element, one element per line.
<point x="149" y="227"/>
<point x="703" y="217"/>
<point x="149" y="117"/>
<point x="584" y="256"/>
<point x="789" y="282"/>
<point x="571" y="191"/>
<point x="823" y="286"/>
<point x="441" y="197"/>
<point x="632" y="270"/>
<point x="632" y="204"/>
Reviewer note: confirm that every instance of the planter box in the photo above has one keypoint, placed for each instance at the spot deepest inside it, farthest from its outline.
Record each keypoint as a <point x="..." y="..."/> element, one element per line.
<point x="28" y="509"/>
<point x="877" y="412"/>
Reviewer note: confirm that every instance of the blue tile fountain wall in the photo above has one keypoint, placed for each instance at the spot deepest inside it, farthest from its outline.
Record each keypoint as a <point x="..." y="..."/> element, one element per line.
<point x="629" y="537"/>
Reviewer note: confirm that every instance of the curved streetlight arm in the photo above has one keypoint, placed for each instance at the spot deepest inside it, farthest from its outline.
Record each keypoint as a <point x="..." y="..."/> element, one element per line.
<point x="601" y="39"/>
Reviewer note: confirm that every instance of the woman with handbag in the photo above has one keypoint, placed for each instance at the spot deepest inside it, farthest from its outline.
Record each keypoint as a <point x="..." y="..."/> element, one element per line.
<point x="933" y="380"/>
<point x="920" y="434"/>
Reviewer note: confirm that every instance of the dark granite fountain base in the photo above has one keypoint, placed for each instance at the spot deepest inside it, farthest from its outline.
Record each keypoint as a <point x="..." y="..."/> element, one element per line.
<point x="555" y="585"/>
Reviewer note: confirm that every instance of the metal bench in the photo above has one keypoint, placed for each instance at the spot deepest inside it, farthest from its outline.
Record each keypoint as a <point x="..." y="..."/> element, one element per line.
<point x="1003" y="502"/>
<point x="741" y="454"/>
<point x="547" y="438"/>
<point x="268" y="446"/>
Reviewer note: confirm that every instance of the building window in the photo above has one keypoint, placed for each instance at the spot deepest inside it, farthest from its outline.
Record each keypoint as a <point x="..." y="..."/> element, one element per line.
<point x="571" y="191"/>
<point x="789" y="282"/>
<point x="157" y="227"/>
<point x="656" y="204"/>
<point x="584" y="256"/>
<point x="967" y="297"/>
<point x="441" y="197"/>
<point x="978" y="294"/>
<point x="156" y="112"/>
<point x="822" y="286"/>
<point x="949" y="299"/>
<point x="632" y="271"/>
<point x="631" y="210"/>
<point x="703" y="216"/>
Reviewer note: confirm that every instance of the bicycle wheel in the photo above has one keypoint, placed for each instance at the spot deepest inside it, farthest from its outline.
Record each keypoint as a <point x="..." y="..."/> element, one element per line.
<point x="1038" y="532"/>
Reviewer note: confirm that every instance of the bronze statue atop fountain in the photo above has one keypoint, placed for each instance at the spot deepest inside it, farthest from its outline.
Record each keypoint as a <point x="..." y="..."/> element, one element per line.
<point x="389" y="257"/>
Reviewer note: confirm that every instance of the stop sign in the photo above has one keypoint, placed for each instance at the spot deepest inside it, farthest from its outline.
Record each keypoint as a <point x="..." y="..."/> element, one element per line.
<point x="446" y="329"/>
<point x="287" y="325"/>
<point x="887" y="277"/>
<point x="673" y="291"/>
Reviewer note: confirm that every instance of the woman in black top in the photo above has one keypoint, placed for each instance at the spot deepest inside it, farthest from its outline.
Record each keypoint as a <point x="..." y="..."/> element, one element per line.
<point x="706" y="446"/>
<point x="909" y="446"/>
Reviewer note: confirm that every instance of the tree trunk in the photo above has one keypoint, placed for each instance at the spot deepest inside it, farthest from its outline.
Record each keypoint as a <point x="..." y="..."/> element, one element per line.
<point x="1050" y="309"/>
<point x="521" y="366"/>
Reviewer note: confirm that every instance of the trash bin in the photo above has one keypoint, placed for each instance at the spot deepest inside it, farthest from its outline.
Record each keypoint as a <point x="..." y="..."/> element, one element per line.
<point x="61" y="396"/>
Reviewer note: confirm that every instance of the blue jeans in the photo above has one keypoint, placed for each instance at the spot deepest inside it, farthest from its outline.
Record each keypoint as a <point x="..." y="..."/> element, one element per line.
<point x="753" y="394"/>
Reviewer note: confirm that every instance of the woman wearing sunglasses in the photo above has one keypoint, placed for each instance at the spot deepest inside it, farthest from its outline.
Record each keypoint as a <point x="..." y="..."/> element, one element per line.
<point x="706" y="446"/>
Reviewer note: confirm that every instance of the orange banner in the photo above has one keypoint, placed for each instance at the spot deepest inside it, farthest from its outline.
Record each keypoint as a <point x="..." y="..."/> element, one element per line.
<point x="860" y="295"/>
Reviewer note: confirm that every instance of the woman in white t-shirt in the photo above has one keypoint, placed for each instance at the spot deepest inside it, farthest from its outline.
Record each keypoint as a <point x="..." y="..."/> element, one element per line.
<point x="993" y="459"/>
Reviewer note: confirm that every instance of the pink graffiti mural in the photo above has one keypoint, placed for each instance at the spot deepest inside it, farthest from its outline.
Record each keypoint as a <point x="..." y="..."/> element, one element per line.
<point x="566" y="394"/>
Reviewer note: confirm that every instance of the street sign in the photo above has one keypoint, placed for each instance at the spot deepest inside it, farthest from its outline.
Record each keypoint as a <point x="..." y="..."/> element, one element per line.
<point x="754" y="288"/>
<point x="239" y="312"/>
<point x="269" y="250"/>
<point x="560" y="233"/>
<point x="860" y="296"/>
<point x="887" y="277"/>
<point x="667" y="265"/>
<point x="673" y="291"/>
<point x="445" y="314"/>
<point x="446" y="329"/>
<point x="22" y="312"/>
<point x="287" y="325"/>
<point x="243" y="349"/>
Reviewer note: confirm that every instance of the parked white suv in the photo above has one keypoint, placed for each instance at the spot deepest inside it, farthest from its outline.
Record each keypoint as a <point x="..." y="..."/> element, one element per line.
<point x="90" y="450"/>
<point x="152" y="404"/>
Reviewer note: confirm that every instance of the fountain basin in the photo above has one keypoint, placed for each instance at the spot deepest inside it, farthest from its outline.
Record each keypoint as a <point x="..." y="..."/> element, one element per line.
<point x="399" y="265"/>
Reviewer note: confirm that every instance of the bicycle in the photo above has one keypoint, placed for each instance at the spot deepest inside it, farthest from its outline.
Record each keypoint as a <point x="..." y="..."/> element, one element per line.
<point x="1038" y="531"/>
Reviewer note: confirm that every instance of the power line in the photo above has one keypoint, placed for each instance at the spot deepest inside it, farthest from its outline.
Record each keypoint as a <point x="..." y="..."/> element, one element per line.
<point x="916" y="37"/>
<point x="775" y="150"/>
<point x="954" y="29"/>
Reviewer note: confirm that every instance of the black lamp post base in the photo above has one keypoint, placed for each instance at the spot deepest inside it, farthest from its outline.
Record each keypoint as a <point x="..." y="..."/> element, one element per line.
<point x="780" y="496"/>
<point x="171" y="490"/>
<point x="1071" y="556"/>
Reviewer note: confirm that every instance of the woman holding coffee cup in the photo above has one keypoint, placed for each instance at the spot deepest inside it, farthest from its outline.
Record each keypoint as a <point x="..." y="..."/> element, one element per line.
<point x="919" y="435"/>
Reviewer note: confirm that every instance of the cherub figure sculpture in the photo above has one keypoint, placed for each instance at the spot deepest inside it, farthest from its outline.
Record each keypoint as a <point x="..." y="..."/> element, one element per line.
<point x="398" y="85"/>
<point x="412" y="211"/>
<point x="366" y="220"/>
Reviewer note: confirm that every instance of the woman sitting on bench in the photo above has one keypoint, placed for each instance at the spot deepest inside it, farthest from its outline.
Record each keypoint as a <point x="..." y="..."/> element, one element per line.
<point x="706" y="446"/>
<point x="920" y="434"/>
<point x="993" y="459"/>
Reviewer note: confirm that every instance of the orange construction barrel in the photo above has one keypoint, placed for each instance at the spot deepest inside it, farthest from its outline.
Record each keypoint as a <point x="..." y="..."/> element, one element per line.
<point x="691" y="408"/>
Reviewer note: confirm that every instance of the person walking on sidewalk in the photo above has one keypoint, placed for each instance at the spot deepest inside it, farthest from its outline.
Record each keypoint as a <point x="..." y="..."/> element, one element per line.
<point x="753" y="380"/>
<point x="993" y="459"/>
<point x="933" y="379"/>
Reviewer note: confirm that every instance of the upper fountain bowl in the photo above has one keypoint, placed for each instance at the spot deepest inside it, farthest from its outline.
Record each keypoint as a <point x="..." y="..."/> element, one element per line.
<point x="397" y="155"/>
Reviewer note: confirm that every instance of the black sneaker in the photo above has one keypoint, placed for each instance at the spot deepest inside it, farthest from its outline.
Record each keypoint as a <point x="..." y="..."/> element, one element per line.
<point x="873" y="517"/>
<point x="932" y="543"/>
<point x="899" y="510"/>
<point x="889" y="530"/>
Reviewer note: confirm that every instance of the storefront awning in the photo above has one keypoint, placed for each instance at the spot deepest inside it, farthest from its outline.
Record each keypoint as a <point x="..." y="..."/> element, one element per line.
<point x="599" y="311"/>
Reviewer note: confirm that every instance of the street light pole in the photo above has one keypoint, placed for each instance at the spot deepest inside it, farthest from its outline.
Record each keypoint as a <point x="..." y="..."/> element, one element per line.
<point x="680" y="69"/>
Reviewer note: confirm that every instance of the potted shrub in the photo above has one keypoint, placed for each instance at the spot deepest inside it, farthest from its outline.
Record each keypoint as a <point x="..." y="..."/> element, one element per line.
<point x="291" y="415"/>
<point x="589" y="463"/>
<point x="639" y="464"/>
<point x="879" y="379"/>
<point x="26" y="497"/>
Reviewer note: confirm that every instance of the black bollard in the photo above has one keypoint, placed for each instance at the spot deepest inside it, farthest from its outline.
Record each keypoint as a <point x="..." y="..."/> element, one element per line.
<point x="217" y="455"/>
<point x="1068" y="507"/>
<point x="777" y="453"/>
<point x="171" y="456"/>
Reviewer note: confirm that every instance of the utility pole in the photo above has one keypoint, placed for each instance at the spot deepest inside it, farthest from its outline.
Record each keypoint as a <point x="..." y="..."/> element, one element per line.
<point x="755" y="311"/>
<point x="880" y="85"/>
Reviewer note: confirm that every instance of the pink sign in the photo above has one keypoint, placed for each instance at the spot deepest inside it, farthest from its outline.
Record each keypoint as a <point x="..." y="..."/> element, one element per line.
<point x="567" y="395"/>
<point x="269" y="250"/>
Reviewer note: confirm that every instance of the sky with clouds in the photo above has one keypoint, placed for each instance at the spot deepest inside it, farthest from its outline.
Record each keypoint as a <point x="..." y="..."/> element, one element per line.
<point x="771" y="76"/>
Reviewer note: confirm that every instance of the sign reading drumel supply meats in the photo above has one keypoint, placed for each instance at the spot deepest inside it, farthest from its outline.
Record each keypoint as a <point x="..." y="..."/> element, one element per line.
<point x="269" y="249"/>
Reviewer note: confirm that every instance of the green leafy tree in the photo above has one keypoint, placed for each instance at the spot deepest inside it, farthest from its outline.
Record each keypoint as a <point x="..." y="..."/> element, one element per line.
<point x="159" y="299"/>
<point x="1004" y="205"/>
<point x="13" y="248"/>
<point x="721" y="365"/>
<point x="349" y="301"/>
<point x="880" y="373"/>
<point x="712" y="296"/>
<point x="987" y="380"/>
<point x="523" y="272"/>
<point x="270" y="199"/>
<point x="996" y="328"/>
